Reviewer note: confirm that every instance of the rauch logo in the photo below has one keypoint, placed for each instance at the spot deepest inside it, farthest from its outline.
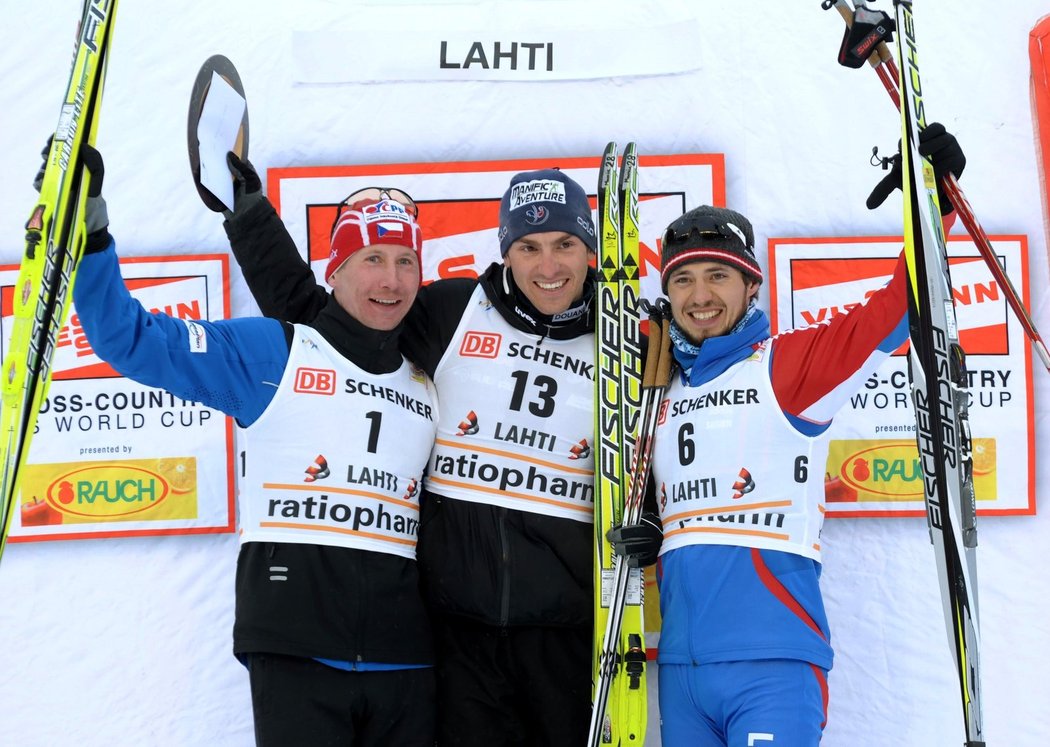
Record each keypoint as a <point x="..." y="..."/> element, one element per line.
<point x="891" y="470"/>
<point x="107" y="491"/>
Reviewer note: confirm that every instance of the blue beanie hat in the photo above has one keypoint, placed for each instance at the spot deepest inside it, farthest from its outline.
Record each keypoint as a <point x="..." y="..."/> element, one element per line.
<point x="545" y="200"/>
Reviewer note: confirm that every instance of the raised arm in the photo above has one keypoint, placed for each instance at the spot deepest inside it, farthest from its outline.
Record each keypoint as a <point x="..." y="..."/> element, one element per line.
<point x="233" y="366"/>
<point x="280" y="280"/>
<point x="816" y="369"/>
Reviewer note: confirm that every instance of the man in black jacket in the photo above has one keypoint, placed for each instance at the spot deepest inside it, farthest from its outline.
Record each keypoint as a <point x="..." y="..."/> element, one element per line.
<point x="506" y="536"/>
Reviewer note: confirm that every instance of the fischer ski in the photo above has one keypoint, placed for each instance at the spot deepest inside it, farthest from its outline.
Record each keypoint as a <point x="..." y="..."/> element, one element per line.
<point x="619" y="708"/>
<point x="881" y="61"/>
<point x="54" y="242"/>
<point x="938" y="377"/>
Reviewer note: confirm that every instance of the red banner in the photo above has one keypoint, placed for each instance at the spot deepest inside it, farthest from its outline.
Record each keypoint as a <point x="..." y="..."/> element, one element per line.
<point x="1039" y="53"/>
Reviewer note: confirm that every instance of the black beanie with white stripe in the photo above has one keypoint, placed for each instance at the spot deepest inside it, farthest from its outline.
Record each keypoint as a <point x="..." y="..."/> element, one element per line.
<point x="709" y="234"/>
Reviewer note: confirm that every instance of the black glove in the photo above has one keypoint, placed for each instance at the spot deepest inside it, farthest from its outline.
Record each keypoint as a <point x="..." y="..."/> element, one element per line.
<point x="96" y="217"/>
<point x="944" y="152"/>
<point x="247" y="187"/>
<point x="38" y="180"/>
<point x="638" y="544"/>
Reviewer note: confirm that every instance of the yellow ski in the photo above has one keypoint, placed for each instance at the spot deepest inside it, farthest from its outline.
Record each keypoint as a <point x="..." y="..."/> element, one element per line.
<point x="619" y="712"/>
<point x="55" y="235"/>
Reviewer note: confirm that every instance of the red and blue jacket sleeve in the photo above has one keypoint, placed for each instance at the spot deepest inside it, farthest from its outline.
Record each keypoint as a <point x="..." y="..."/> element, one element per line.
<point x="816" y="369"/>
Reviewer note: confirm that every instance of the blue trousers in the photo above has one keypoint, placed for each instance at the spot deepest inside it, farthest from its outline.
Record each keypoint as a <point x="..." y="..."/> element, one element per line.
<point x="762" y="703"/>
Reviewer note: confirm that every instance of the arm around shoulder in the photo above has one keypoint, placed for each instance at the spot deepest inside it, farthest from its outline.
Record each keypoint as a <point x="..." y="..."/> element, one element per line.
<point x="433" y="320"/>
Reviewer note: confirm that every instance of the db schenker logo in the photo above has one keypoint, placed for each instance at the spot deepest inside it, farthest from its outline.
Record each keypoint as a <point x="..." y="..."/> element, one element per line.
<point x="315" y="381"/>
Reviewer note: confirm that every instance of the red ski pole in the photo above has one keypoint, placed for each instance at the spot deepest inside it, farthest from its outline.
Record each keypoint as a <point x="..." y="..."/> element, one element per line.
<point x="882" y="62"/>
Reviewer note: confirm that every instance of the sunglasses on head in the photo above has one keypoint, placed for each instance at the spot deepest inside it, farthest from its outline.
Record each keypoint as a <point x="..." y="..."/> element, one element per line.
<point x="381" y="193"/>
<point x="681" y="231"/>
<point x="677" y="232"/>
<point x="372" y="194"/>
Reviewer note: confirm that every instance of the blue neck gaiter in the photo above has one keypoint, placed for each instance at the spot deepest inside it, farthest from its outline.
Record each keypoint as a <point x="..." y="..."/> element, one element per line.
<point x="701" y="363"/>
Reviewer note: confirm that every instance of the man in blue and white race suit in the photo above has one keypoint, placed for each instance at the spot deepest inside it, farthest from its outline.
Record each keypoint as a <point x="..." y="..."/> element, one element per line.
<point x="738" y="466"/>
<point x="338" y="427"/>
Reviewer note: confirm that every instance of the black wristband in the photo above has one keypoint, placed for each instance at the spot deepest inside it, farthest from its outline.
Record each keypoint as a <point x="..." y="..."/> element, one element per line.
<point x="97" y="241"/>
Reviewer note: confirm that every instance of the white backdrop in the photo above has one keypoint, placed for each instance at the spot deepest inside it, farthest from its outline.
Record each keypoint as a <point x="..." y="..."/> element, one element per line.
<point x="127" y="641"/>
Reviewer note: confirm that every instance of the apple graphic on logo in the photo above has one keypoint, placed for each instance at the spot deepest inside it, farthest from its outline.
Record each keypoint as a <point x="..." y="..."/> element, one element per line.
<point x="38" y="514"/>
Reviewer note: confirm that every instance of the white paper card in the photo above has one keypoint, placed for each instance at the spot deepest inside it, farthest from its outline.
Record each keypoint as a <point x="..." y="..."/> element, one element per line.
<point x="216" y="135"/>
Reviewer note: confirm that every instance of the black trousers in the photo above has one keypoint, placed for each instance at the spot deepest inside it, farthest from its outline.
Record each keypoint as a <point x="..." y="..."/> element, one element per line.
<point x="298" y="701"/>
<point x="512" y="686"/>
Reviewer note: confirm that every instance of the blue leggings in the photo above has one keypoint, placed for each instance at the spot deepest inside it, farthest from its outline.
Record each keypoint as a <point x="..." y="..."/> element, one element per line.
<point x="763" y="703"/>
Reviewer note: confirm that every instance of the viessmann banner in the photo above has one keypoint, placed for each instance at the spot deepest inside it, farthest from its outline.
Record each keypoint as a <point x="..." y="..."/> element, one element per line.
<point x="873" y="466"/>
<point x="112" y="457"/>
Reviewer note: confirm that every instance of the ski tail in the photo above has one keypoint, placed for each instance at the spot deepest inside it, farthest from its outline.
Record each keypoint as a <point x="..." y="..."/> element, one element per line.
<point x="937" y="366"/>
<point x="54" y="243"/>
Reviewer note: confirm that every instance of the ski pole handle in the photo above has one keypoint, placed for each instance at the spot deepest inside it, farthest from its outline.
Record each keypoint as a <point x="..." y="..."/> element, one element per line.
<point x="847" y="15"/>
<point x="666" y="358"/>
<point x="882" y="51"/>
<point x="656" y="334"/>
<point x="658" y="359"/>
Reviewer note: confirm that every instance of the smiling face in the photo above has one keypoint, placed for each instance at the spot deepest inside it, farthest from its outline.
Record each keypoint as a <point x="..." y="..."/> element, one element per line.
<point x="550" y="269"/>
<point x="377" y="284"/>
<point x="708" y="298"/>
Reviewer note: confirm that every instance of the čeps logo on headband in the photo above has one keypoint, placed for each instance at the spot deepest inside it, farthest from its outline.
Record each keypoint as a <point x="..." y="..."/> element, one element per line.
<point x="390" y="218"/>
<point x="538" y="190"/>
<point x="385" y="208"/>
<point x="390" y="214"/>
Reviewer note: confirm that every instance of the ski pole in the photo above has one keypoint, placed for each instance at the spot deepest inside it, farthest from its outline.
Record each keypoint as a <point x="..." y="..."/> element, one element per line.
<point x="881" y="60"/>
<point x="655" y="378"/>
